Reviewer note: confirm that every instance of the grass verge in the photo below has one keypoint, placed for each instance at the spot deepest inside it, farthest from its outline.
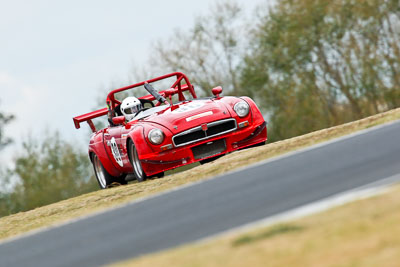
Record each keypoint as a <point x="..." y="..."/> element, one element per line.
<point x="89" y="203"/>
<point x="361" y="233"/>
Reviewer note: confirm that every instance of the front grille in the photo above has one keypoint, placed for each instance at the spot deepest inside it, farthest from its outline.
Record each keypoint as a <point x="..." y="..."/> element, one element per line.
<point x="209" y="149"/>
<point x="197" y="134"/>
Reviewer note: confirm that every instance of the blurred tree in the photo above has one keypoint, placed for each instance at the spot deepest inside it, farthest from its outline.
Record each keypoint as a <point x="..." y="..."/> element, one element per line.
<point x="4" y="174"/>
<point x="49" y="171"/>
<point x="4" y="120"/>
<point x="5" y="194"/>
<point x="316" y="63"/>
<point x="209" y="52"/>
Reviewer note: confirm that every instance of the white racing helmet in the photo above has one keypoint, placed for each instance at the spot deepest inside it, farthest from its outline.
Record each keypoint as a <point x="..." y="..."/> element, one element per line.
<point x="130" y="107"/>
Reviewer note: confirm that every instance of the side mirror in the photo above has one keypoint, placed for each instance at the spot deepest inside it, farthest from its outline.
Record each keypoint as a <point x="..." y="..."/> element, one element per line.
<point x="217" y="91"/>
<point x="119" y="120"/>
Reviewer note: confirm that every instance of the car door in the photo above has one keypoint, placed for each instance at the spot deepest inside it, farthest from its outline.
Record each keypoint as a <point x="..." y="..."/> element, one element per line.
<point x="112" y="142"/>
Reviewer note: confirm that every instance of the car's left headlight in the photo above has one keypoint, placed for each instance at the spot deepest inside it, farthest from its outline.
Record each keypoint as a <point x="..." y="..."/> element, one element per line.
<point x="241" y="108"/>
<point x="156" y="136"/>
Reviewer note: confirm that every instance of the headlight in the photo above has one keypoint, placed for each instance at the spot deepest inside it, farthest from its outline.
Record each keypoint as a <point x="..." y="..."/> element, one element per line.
<point x="156" y="136"/>
<point x="241" y="108"/>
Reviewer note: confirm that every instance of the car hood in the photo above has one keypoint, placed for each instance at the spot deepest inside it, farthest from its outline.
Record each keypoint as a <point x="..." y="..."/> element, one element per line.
<point x="189" y="114"/>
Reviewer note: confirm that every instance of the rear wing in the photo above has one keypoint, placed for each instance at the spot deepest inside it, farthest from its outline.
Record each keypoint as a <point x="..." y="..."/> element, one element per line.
<point x="88" y="118"/>
<point x="176" y="88"/>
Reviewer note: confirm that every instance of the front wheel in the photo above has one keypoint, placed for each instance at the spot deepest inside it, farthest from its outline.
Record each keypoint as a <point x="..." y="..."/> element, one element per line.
<point x="136" y="164"/>
<point x="103" y="177"/>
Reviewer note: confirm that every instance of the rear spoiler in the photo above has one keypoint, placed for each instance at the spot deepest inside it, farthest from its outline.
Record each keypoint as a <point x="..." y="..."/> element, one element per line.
<point x="88" y="118"/>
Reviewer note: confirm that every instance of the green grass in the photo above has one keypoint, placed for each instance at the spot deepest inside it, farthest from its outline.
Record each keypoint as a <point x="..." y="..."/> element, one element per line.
<point x="276" y="230"/>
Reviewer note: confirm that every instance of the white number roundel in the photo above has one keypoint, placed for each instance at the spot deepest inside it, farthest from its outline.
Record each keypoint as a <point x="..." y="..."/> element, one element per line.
<point x="115" y="152"/>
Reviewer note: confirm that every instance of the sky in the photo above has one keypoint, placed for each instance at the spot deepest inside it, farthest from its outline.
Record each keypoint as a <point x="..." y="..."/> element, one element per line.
<point x="56" y="57"/>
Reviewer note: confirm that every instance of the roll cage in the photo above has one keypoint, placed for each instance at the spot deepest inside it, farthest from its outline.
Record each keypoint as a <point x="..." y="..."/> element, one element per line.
<point x="180" y="85"/>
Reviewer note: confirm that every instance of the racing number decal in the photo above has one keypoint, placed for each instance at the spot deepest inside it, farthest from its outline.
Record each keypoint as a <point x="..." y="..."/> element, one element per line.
<point x="115" y="152"/>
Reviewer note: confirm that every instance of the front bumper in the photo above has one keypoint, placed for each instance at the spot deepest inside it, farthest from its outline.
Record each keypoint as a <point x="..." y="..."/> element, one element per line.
<point x="178" y="156"/>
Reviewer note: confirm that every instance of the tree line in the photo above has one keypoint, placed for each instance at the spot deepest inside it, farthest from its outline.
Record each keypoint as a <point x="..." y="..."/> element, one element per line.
<point x="316" y="63"/>
<point x="44" y="172"/>
<point x="309" y="64"/>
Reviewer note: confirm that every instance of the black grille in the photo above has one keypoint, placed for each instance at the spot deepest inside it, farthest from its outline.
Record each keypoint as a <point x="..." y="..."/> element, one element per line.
<point x="187" y="138"/>
<point x="197" y="134"/>
<point x="219" y="128"/>
<point x="209" y="149"/>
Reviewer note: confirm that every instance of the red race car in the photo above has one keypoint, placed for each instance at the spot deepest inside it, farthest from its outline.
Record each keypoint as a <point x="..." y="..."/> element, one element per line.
<point x="164" y="130"/>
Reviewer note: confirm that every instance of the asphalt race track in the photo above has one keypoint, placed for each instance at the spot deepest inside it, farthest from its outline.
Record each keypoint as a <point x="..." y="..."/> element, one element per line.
<point x="210" y="207"/>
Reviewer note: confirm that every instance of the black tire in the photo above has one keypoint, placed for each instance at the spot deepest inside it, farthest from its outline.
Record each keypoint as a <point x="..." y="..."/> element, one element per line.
<point x="136" y="164"/>
<point x="103" y="177"/>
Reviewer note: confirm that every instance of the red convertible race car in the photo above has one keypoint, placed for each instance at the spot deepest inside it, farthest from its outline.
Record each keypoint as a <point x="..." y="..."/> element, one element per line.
<point x="166" y="129"/>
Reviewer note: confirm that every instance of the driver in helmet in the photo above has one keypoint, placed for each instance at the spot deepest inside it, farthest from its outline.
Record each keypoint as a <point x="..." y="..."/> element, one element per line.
<point x="130" y="107"/>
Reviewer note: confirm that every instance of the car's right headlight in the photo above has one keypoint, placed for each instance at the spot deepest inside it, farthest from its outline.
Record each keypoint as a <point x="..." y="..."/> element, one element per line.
<point x="241" y="108"/>
<point x="156" y="136"/>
